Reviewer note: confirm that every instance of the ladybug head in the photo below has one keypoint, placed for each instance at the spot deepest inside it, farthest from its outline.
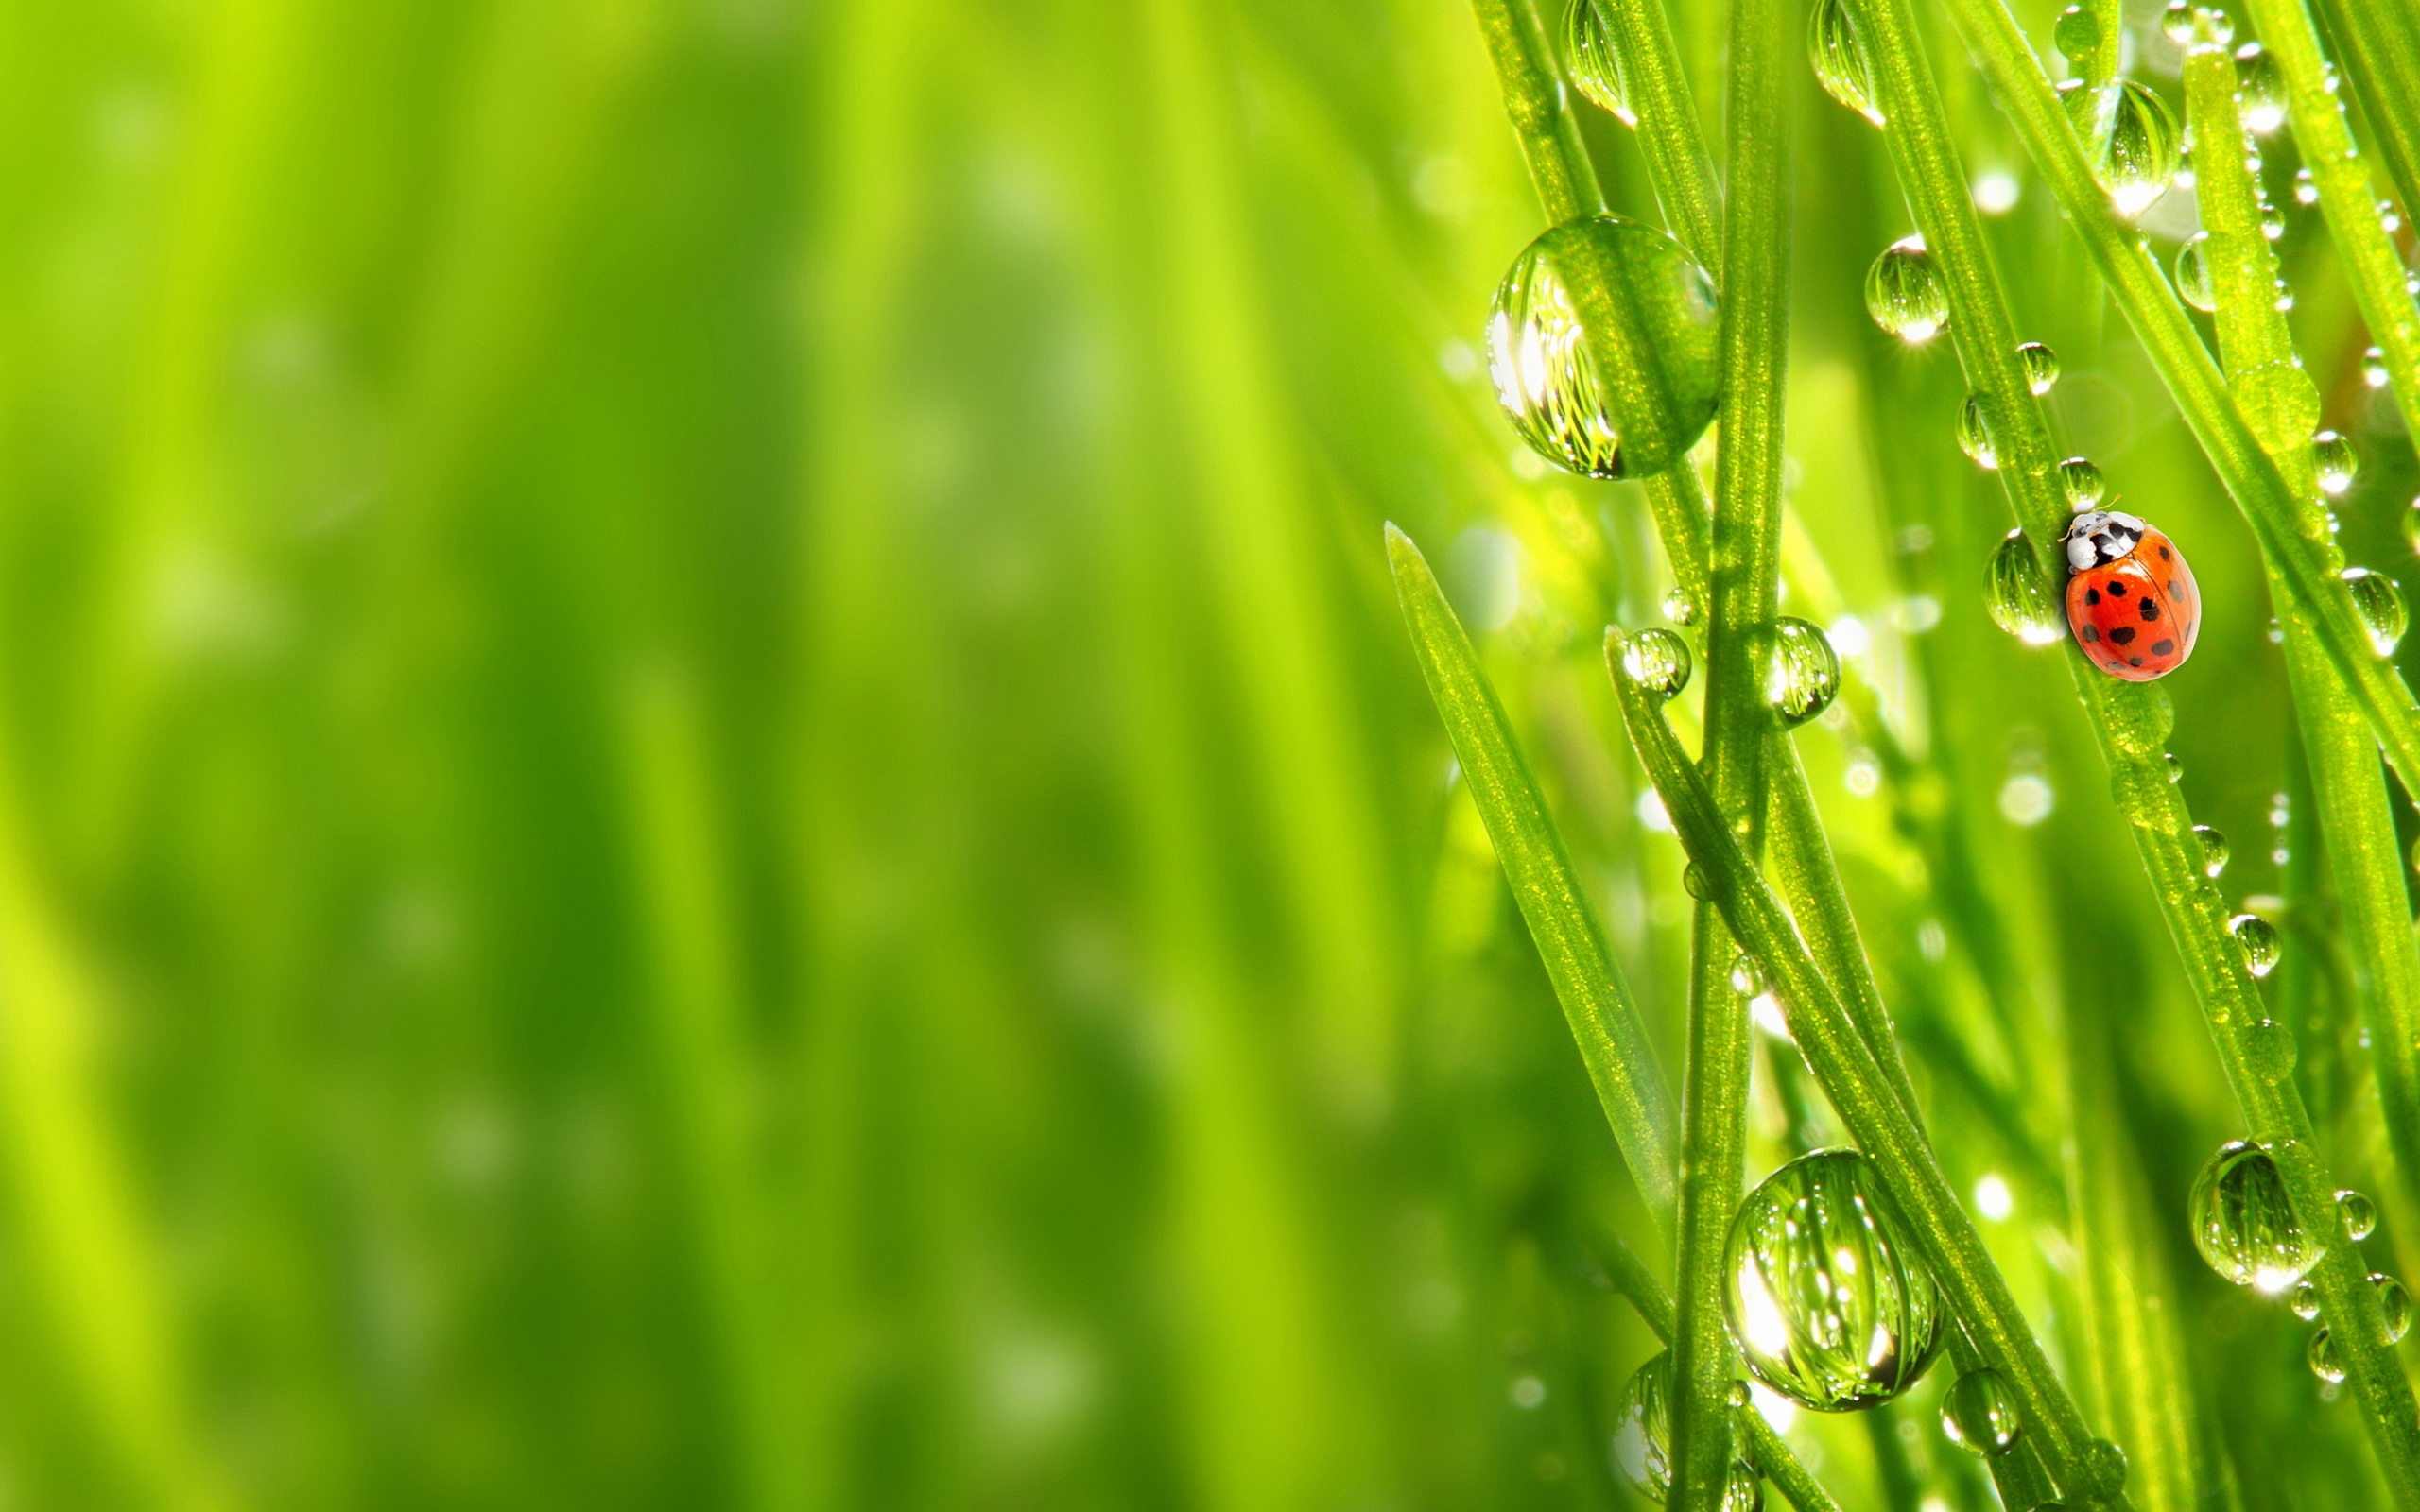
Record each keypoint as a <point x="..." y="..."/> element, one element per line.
<point x="2099" y="538"/>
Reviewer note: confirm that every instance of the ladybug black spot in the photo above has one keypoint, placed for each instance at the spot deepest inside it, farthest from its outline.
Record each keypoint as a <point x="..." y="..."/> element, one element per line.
<point x="2091" y="633"/>
<point x="2165" y="555"/>
<point x="2148" y="608"/>
<point x="2162" y="647"/>
<point x="2123" y="634"/>
<point x="2133" y="661"/>
<point x="2092" y="595"/>
<point x="2117" y="587"/>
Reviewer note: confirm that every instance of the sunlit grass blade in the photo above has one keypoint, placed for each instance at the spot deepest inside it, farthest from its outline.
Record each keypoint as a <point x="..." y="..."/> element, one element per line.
<point x="1571" y="943"/>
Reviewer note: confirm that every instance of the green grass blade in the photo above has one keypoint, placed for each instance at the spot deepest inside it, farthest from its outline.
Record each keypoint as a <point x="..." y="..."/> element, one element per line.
<point x="1604" y="1018"/>
<point x="2381" y="40"/>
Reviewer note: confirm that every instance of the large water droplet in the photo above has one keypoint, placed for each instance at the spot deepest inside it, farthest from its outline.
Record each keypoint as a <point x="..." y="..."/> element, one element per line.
<point x="2244" y="1222"/>
<point x="1975" y="434"/>
<point x="2214" y="850"/>
<point x="2325" y="1361"/>
<point x="2259" y="90"/>
<point x="1806" y="673"/>
<point x="1742" y="1491"/>
<point x="1838" y="51"/>
<point x="2383" y="611"/>
<point x="2041" y="367"/>
<point x="2075" y="33"/>
<point x="1602" y="348"/>
<point x="1829" y="1303"/>
<point x="2194" y="283"/>
<point x="2336" y="461"/>
<point x="1594" y="62"/>
<point x="1643" y="1430"/>
<point x="1657" y="660"/>
<point x="2258" y="939"/>
<point x="2141" y="715"/>
<point x="1904" y="292"/>
<point x="1978" y="1413"/>
<point x="2358" y="1213"/>
<point x="2080" y="480"/>
<point x="2130" y="136"/>
<point x="2305" y="1302"/>
<point x="2176" y="22"/>
<point x="2395" y="1303"/>
<point x="2021" y="602"/>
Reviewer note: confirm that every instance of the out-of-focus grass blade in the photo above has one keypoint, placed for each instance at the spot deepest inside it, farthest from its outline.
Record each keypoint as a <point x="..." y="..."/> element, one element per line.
<point x="1604" y="1018"/>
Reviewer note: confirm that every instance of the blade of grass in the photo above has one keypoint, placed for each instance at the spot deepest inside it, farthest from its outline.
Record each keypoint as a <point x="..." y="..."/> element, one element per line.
<point x="2381" y="46"/>
<point x="1596" y="1000"/>
<point x="1669" y="136"/>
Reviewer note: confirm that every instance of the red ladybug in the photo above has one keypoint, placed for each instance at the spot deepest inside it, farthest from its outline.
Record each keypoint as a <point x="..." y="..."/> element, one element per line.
<point x="2131" y="599"/>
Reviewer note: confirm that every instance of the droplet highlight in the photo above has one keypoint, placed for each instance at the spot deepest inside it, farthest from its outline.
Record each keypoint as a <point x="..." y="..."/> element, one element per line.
<point x="2259" y="90"/>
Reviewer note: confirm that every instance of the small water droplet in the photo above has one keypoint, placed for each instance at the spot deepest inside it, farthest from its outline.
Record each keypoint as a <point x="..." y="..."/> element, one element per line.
<point x="2325" y="1361"/>
<point x="2336" y="460"/>
<point x="1643" y="1430"/>
<point x="2176" y="22"/>
<point x="2305" y="187"/>
<point x="2041" y="367"/>
<point x="2258" y="939"/>
<point x="2395" y="1303"/>
<point x="2359" y="1215"/>
<point x="2130" y="136"/>
<point x="1837" y="49"/>
<point x="1831" y="1305"/>
<point x="2075" y="33"/>
<point x="2380" y="602"/>
<point x="1594" y="62"/>
<point x="1601" y="345"/>
<point x="1975" y="434"/>
<point x="2175" y="770"/>
<point x="1743" y="1492"/>
<point x="2080" y="480"/>
<point x="2270" y="1047"/>
<point x="2305" y="1302"/>
<point x="1678" y="607"/>
<point x="2389" y="218"/>
<point x="2259" y="90"/>
<point x="2273" y="221"/>
<point x="2194" y="283"/>
<point x="1744" y="979"/>
<point x="2244" y="1222"/>
<point x="2019" y="600"/>
<point x="2141" y="714"/>
<point x="1657" y="660"/>
<point x="2214" y="850"/>
<point x="1806" y="672"/>
<point x="2104" y="1471"/>
<point x="1978" y="1415"/>
<point x="1694" y="882"/>
<point x="2373" y="368"/>
<point x="1904" y="292"/>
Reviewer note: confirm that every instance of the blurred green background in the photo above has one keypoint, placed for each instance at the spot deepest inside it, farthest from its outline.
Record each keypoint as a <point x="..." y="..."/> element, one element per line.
<point x="710" y="794"/>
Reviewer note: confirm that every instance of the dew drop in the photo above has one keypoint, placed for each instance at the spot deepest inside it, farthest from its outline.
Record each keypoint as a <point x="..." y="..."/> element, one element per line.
<point x="2141" y="714"/>
<point x="2020" y="603"/>
<point x="2193" y="274"/>
<point x="1678" y="607"/>
<point x="2104" y="1471"/>
<point x="1601" y="345"/>
<point x="1744" y="979"/>
<point x="2359" y="1215"/>
<point x="2175" y="770"/>
<point x="1693" y="881"/>
<point x="1643" y="1430"/>
<point x="1657" y="660"/>
<point x="1831" y="1305"/>
<point x="2080" y="480"/>
<point x="2373" y="368"/>
<point x="2305" y="187"/>
<point x="2412" y="526"/>
<point x="2244" y="1222"/>
<point x="2258" y="939"/>
<point x="2259" y="90"/>
<point x="1904" y="292"/>
<point x="2383" y="611"/>
<point x="2270" y="1047"/>
<point x="2041" y="367"/>
<point x="2176" y="22"/>
<point x="2325" y="1361"/>
<point x="2305" y="1302"/>
<point x="1742" y="1491"/>
<point x="1975" y="434"/>
<point x="2336" y="460"/>
<point x="2130" y="138"/>
<point x="2075" y="33"/>
<point x="1837" y="49"/>
<point x="1978" y="1415"/>
<point x="1806" y="673"/>
<point x="2214" y="850"/>
<point x="2272" y="222"/>
<point x="1594" y="62"/>
<point x="2395" y="1303"/>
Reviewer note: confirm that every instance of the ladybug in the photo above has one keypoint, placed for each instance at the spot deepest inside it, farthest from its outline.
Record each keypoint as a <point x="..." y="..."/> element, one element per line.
<point x="2131" y="599"/>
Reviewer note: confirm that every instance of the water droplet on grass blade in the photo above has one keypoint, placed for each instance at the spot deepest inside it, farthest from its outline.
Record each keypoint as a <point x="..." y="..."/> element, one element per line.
<point x="2259" y="90"/>
<point x="1975" y="434"/>
<point x="1742" y="1491"/>
<point x="2080" y="480"/>
<point x="2325" y="1361"/>
<point x="2383" y="611"/>
<point x="2194" y="283"/>
<point x="2176" y="22"/>
<point x="1594" y="62"/>
<point x="2131" y="139"/>
<point x="1904" y="292"/>
<point x="2358" y="1213"/>
<point x="2020" y="601"/>
<point x="1678" y="607"/>
<point x="1837" y="49"/>
<point x="1744" y="979"/>
<point x="1643" y="1430"/>
<point x="1694" y="882"/>
<point x="2244" y="1222"/>
<point x="2141" y="715"/>
<point x="1657" y="660"/>
<point x="2258" y="939"/>
<point x="2395" y="1306"/>
<point x="2075" y="33"/>
<point x="2305" y="1302"/>
<point x="1978" y="1415"/>
<point x="1831" y="1305"/>
<point x="1806" y="673"/>
<point x="2373" y="368"/>
<point x="1601" y="345"/>
<point x="2305" y="187"/>
<point x="2336" y="460"/>
<point x="2214" y="850"/>
<point x="2272" y="222"/>
<point x="2041" y="367"/>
